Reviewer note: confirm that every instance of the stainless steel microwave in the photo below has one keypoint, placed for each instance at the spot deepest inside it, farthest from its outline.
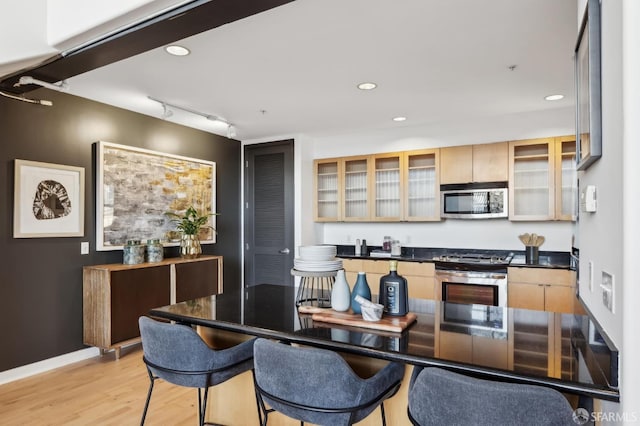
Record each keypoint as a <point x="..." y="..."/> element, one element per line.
<point x="474" y="200"/>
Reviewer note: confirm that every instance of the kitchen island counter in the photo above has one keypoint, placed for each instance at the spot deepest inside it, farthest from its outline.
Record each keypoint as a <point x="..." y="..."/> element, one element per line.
<point x="560" y="351"/>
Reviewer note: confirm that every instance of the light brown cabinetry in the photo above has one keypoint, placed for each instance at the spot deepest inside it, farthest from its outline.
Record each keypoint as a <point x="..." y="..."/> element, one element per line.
<point x="456" y="164"/>
<point x="541" y="289"/>
<point x="475" y="163"/>
<point x="540" y="345"/>
<point x="328" y="190"/>
<point x="542" y="179"/>
<point x="115" y="295"/>
<point x="420" y="276"/>
<point x="479" y="350"/>
<point x="422" y="185"/>
<point x="566" y="178"/>
<point x="356" y="191"/>
<point x="389" y="187"/>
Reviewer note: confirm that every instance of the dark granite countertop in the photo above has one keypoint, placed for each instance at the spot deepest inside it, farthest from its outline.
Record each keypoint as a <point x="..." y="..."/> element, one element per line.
<point x="530" y="351"/>
<point x="547" y="259"/>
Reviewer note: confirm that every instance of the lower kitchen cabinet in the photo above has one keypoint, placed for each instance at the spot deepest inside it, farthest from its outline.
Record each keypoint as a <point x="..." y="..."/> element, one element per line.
<point x="420" y="276"/>
<point x="115" y="295"/>
<point x="479" y="350"/>
<point x="552" y="290"/>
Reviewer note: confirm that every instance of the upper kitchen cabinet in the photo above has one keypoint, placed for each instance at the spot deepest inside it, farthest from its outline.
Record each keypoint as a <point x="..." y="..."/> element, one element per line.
<point x="342" y="189"/>
<point x="356" y="191"/>
<point x="457" y="164"/>
<point x="388" y="191"/>
<point x="531" y="179"/>
<point x="491" y="162"/>
<point x="566" y="178"/>
<point x="328" y="190"/>
<point x="475" y="163"/>
<point x="422" y="186"/>
<point x="389" y="187"/>
<point x="542" y="179"/>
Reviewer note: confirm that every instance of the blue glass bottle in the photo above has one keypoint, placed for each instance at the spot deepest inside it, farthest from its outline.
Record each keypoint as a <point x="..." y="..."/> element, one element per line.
<point x="360" y="289"/>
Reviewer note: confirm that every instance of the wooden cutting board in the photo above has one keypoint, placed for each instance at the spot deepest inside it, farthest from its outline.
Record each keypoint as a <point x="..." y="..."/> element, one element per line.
<point x="387" y="323"/>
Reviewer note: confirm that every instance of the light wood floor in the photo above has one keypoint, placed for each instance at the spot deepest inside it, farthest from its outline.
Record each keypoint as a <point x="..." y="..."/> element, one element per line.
<point x="106" y="391"/>
<point x="98" y="391"/>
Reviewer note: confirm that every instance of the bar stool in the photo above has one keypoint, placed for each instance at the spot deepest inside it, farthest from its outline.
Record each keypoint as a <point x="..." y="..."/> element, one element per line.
<point x="441" y="397"/>
<point x="315" y="288"/>
<point x="317" y="385"/>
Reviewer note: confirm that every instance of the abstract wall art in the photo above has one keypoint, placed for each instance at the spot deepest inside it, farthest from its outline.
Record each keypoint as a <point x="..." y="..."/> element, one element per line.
<point x="135" y="188"/>
<point x="48" y="200"/>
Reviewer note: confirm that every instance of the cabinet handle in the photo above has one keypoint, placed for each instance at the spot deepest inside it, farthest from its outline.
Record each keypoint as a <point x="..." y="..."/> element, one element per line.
<point x="284" y="251"/>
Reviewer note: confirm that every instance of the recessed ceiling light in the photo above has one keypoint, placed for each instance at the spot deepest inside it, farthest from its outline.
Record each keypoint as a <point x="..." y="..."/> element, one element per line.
<point x="176" y="50"/>
<point x="367" y="86"/>
<point x="553" y="97"/>
<point x="399" y="118"/>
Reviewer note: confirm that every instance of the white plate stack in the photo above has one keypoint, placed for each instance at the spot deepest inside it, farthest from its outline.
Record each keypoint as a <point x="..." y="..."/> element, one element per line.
<point x="317" y="259"/>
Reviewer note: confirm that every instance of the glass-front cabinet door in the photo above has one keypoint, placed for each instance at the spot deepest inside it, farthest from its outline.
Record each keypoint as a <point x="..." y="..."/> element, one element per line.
<point x="566" y="178"/>
<point x="387" y="189"/>
<point x="328" y="183"/>
<point x="356" y="190"/>
<point x="422" y="186"/>
<point x="531" y="179"/>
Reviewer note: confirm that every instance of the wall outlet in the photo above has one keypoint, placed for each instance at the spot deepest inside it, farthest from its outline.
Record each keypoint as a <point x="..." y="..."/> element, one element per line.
<point x="84" y="247"/>
<point x="607" y="286"/>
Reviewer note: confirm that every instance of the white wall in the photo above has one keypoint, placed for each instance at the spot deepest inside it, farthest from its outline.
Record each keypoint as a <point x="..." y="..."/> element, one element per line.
<point x="630" y="388"/>
<point x="601" y="233"/>
<point x="609" y="238"/>
<point x="484" y="234"/>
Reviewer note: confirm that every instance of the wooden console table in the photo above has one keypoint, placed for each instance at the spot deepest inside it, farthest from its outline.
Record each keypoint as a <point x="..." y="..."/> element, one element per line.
<point x="115" y="295"/>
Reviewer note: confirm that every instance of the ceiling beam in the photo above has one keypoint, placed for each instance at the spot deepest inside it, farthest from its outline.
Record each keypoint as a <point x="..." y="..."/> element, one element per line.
<point x="190" y="19"/>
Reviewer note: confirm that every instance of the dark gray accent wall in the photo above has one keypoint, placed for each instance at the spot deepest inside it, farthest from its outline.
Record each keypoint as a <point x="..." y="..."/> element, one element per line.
<point x="41" y="278"/>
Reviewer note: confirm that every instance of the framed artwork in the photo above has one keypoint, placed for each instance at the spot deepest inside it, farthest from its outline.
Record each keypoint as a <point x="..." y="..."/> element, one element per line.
<point x="48" y="200"/>
<point x="588" y="90"/>
<point x="135" y="188"/>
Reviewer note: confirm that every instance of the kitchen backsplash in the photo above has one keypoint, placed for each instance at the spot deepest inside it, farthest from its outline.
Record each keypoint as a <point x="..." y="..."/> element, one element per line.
<point x="490" y="234"/>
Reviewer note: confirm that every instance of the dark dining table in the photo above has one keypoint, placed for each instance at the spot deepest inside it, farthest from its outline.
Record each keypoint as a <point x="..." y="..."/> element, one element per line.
<point x="561" y="351"/>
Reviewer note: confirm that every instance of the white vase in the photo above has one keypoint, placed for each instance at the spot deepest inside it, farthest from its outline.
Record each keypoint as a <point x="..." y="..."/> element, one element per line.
<point x="340" y="293"/>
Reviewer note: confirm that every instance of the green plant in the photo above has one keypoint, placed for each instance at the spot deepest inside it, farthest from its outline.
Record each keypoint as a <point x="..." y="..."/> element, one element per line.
<point x="192" y="221"/>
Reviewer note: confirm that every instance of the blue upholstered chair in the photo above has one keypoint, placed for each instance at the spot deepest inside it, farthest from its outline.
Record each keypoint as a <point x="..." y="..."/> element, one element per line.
<point x="177" y="354"/>
<point x="441" y="397"/>
<point x="318" y="386"/>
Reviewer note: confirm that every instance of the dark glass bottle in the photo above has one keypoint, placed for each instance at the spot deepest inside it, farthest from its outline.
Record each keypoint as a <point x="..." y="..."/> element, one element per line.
<point x="394" y="293"/>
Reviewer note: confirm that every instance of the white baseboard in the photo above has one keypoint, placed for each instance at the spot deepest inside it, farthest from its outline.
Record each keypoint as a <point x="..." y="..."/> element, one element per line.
<point x="47" y="364"/>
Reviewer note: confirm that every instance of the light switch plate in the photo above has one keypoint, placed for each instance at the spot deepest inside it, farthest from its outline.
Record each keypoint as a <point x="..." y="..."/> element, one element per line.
<point x="608" y="288"/>
<point x="84" y="247"/>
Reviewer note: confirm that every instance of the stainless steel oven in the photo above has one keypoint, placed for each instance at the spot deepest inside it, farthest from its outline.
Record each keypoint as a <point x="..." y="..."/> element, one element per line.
<point x="473" y="287"/>
<point x="478" y="319"/>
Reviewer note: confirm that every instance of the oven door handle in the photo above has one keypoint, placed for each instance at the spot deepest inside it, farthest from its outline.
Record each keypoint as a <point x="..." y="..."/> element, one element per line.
<point x="471" y="275"/>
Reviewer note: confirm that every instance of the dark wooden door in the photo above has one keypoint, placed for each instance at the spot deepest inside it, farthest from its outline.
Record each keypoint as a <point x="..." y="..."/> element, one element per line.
<point x="269" y="207"/>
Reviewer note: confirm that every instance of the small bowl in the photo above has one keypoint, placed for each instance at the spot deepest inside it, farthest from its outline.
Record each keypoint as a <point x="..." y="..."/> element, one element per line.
<point x="372" y="312"/>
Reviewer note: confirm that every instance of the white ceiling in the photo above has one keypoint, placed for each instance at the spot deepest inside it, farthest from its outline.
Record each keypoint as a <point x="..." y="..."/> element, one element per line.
<point x="294" y="69"/>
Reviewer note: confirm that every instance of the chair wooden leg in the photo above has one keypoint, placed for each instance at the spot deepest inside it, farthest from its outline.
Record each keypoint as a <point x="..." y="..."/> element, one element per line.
<point x="146" y="404"/>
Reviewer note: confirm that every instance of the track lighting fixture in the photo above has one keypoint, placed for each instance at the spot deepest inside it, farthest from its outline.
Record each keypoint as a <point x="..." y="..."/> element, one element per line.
<point x="25" y="80"/>
<point x="231" y="130"/>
